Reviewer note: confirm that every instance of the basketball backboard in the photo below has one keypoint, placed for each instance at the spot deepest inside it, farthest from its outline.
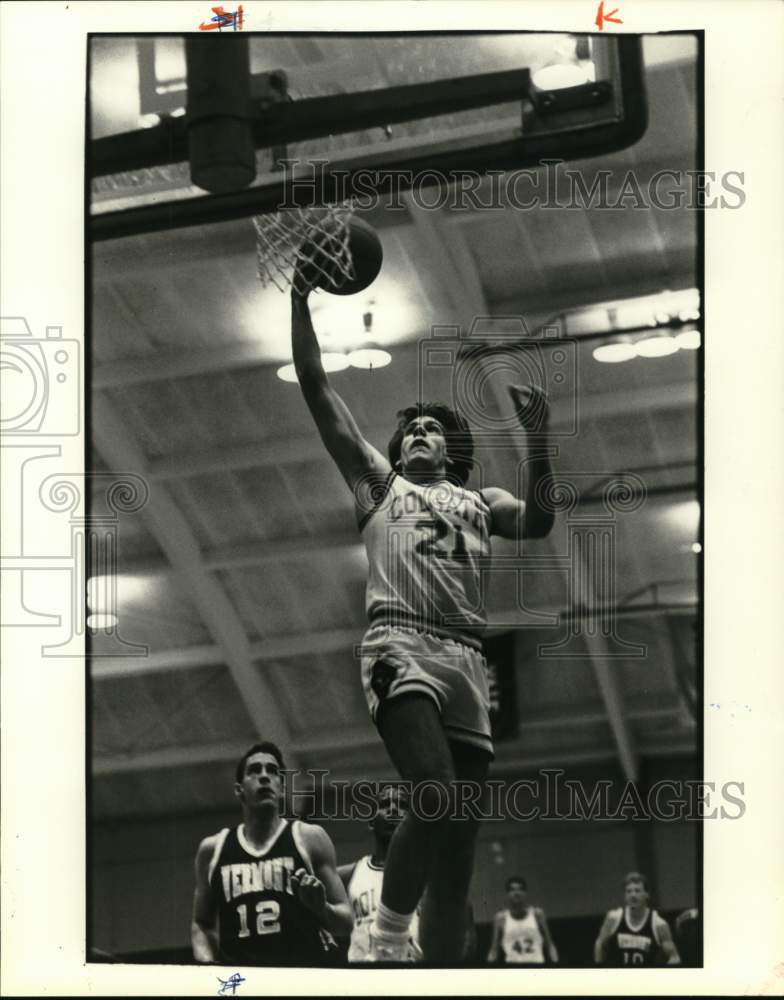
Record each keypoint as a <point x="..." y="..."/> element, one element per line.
<point x="357" y="106"/>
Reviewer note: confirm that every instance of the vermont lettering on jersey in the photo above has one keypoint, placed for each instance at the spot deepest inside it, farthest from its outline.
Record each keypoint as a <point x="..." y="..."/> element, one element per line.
<point x="257" y="876"/>
<point x="637" y="941"/>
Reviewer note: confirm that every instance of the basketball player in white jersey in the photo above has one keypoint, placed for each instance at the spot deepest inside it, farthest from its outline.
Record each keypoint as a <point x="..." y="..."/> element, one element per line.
<point x="267" y="891"/>
<point x="363" y="878"/>
<point x="520" y="932"/>
<point x="423" y="672"/>
<point x="634" y="935"/>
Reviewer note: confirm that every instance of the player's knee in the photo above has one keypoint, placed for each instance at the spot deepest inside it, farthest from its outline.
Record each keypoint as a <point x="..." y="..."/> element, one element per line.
<point x="433" y="799"/>
<point x="469" y="799"/>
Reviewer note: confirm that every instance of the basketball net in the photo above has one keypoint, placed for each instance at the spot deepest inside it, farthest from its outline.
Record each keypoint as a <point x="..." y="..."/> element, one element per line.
<point x="313" y="242"/>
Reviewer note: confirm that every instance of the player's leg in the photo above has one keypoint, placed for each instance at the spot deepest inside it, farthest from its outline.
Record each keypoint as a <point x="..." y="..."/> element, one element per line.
<point x="411" y="728"/>
<point x="442" y="923"/>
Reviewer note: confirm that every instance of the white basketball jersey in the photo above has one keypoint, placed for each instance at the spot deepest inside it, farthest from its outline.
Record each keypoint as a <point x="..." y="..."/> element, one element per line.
<point x="364" y="895"/>
<point x="424" y="545"/>
<point x="522" y="940"/>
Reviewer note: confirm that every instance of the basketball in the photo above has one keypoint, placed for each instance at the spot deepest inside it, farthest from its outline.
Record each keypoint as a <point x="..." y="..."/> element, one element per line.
<point x="366" y="255"/>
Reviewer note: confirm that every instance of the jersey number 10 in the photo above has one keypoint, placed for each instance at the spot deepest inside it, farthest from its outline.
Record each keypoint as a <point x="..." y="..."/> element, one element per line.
<point x="267" y="913"/>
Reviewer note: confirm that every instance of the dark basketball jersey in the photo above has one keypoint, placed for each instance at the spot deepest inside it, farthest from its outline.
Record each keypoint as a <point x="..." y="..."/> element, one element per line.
<point x="260" y="920"/>
<point x="634" y="946"/>
<point x="688" y="934"/>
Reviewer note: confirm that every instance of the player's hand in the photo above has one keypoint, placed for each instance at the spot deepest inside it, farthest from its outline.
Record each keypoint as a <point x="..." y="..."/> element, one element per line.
<point x="532" y="406"/>
<point x="309" y="890"/>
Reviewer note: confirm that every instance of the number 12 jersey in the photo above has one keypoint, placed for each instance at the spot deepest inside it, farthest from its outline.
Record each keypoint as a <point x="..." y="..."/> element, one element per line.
<point x="260" y="919"/>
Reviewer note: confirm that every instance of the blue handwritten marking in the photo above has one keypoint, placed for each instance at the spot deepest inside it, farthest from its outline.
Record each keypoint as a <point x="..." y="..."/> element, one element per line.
<point x="230" y="984"/>
<point x="222" y="19"/>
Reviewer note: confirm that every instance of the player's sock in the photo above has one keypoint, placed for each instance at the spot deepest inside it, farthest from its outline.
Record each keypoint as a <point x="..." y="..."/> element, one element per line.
<point x="389" y="934"/>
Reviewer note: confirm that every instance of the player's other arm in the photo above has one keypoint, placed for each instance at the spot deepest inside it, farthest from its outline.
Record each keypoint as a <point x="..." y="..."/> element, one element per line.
<point x="661" y="930"/>
<point x="345" y="872"/>
<point x="352" y="454"/>
<point x="323" y="892"/>
<point x="528" y="518"/>
<point x="204" y="931"/>
<point x="606" y="931"/>
<point x="552" y="951"/>
<point x="494" y="954"/>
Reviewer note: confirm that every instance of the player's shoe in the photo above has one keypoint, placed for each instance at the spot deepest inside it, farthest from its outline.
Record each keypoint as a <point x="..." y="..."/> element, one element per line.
<point x="413" y="951"/>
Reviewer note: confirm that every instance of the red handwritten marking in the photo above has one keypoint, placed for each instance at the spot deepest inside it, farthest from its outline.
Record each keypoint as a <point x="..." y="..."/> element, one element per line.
<point x="601" y="17"/>
<point x="223" y="20"/>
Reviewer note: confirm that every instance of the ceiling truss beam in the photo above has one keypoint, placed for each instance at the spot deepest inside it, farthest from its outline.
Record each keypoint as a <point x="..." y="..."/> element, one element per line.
<point x="170" y="530"/>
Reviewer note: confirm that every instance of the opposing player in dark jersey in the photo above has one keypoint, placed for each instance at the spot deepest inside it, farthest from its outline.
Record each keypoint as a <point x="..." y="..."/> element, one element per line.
<point x="267" y="891"/>
<point x="427" y="538"/>
<point x="688" y="936"/>
<point x="363" y="878"/>
<point x="521" y="935"/>
<point x="634" y="935"/>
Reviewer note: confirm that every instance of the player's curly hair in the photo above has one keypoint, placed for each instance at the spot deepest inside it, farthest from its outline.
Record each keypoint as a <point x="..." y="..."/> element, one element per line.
<point x="264" y="747"/>
<point x="516" y="880"/>
<point x="459" y="439"/>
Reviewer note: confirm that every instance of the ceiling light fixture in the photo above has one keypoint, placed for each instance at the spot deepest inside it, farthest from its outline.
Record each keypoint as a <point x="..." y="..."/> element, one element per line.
<point x="612" y="354"/>
<point x="334" y="361"/>
<point x="564" y="68"/>
<point x="656" y="347"/>
<point x="556" y="76"/>
<point x="369" y="358"/>
<point x="689" y="340"/>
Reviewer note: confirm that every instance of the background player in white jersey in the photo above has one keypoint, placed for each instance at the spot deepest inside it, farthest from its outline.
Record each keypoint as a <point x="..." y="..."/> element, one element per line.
<point x="634" y="935"/>
<point x="267" y="891"/>
<point x="363" y="878"/>
<point x="423" y="672"/>
<point x="520" y="932"/>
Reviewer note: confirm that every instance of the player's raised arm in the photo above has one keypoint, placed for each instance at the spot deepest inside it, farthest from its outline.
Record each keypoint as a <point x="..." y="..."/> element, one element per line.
<point x="204" y="936"/>
<point x="528" y="518"/>
<point x="353" y="455"/>
<point x="533" y="410"/>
